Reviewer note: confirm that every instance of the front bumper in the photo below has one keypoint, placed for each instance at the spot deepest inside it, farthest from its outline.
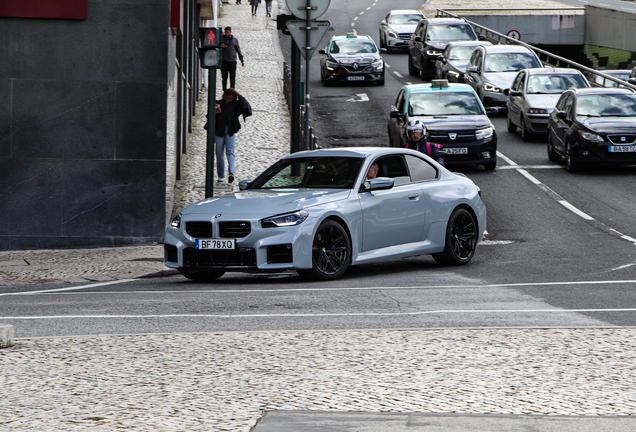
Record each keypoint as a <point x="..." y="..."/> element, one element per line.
<point x="495" y="100"/>
<point x="341" y="74"/>
<point x="476" y="152"/>
<point x="401" y="42"/>
<point x="593" y="153"/>
<point x="538" y="123"/>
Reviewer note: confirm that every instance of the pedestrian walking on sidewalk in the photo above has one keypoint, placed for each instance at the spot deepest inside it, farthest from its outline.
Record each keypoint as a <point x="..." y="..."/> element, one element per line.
<point x="254" y="4"/>
<point x="230" y="51"/>
<point x="228" y="110"/>
<point x="268" y="7"/>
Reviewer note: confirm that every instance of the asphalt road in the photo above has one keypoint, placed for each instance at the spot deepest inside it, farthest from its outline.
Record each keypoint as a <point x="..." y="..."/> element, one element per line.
<point x="560" y="249"/>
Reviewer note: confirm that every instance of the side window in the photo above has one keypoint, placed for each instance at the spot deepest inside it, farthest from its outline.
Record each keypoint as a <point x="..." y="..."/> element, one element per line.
<point x="399" y="104"/>
<point x="569" y="100"/>
<point x="518" y="84"/>
<point x="560" y="105"/>
<point x="420" y="170"/>
<point x="395" y="168"/>
<point x="478" y="58"/>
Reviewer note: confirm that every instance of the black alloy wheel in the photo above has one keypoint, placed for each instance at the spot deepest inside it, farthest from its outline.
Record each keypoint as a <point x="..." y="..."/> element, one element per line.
<point x="461" y="239"/>
<point x="202" y="276"/>
<point x="553" y="156"/>
<point x="330" y="252"/>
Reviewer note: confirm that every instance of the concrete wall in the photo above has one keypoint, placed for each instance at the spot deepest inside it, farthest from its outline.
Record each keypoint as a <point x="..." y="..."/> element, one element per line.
<point x="610" y="28"/>
<point x="83" y="127"/>
<point x="549" y="29"/>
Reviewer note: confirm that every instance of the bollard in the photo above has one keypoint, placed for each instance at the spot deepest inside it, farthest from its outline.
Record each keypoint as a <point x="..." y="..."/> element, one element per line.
<point x="6" y="335"/>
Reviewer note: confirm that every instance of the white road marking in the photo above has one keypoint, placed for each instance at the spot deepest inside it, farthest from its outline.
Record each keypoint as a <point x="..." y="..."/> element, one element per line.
<point x="532" y="167"/>
<point x="363" y="98"/>
<point x="75" y="288"/>
<point x="382" y="288"/>
<point x="311" y="315"/>
<point x="575" y="210"/>
<point x="362" y="13"/>
<point x="623" y="267"/>
<point x="369" y="8"/>
<point x="399" y="75"/>
<point x="355" y="19"/>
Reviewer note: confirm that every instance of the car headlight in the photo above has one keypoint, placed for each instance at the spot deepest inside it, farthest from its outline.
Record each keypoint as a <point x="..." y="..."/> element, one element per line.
<point x="433" y="53"/>
<point x="483" y="133"/>
<point x="454" y="74"/>
<point x="285" y="220"/>
<point x="491" y="88"/>
<point x="537" y="111"/>
<point x="331" y="65"/>
<point x="392" y="34"/>
<point x="176" y="221"/>
<point x="378" y="65"/>
<point x="591" y="136"/>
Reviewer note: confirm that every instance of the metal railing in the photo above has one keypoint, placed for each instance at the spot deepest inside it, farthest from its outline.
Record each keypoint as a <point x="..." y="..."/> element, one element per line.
<point x="312" y="136"/>
<point x="545" y="56"/>
<point x="287" y="84"/>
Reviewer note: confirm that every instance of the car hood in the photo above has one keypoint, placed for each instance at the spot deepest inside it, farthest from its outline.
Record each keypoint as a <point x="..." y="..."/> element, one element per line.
<point x="459" y="65"/>
<point x="547" y="101"/>
<point x="263" y="203"/>
<point x="503" y="80"/>
<point x="403" y="28"/>
<point x="354" y="58"/>
<point x="609" y="125"/>
<point x="454" y="123"/>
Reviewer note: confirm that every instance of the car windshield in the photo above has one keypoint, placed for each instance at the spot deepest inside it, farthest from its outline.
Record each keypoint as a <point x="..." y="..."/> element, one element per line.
<point x="404" y="19"/>
<point x="310" y="172"/>
<point x="352" y="46"/>
<point x="461" y="52"/>
<point x="554" y="84"/>
<point x="616" y="105"/>
<point x="449" y="33"/>
<point x="442" y="103"/>
<point x="510" y="62"/>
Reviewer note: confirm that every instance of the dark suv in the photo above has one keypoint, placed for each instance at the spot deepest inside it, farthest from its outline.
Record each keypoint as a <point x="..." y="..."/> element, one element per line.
<point x="429" y="40"/>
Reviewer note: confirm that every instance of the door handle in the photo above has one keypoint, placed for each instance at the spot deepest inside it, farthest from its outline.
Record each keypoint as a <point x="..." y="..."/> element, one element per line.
<point x="414" y="197"/>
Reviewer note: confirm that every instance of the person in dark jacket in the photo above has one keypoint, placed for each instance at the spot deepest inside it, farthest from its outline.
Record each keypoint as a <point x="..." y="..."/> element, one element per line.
<point x="418" y="141"/>
<point x="230" y="51"/>
<point x="228" y="111"/>
<point x="254" y="4"/>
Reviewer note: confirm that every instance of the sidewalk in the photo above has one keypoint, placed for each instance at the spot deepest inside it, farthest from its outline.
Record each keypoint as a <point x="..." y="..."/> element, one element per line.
<point x="262" y="140"/>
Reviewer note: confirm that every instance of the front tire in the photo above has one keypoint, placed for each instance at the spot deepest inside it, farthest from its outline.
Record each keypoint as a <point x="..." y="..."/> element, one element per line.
<point x="570" y="164"/>
<point x="330" y="252"/>
<point x="461" y="239"/>
<point x="525" y="134"/>
<point x="512" y="128"/>
<point x="553" y="156"/>
<point x="413" y="71"/>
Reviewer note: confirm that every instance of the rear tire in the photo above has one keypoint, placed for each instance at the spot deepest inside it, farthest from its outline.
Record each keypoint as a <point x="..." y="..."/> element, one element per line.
<point x="204" y="276"/>
<point x="461" y="239"/>
<point x="330" y="253"/>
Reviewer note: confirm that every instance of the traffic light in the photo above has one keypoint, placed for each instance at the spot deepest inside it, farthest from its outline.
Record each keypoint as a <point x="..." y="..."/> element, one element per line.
<point x="210" y="51"/>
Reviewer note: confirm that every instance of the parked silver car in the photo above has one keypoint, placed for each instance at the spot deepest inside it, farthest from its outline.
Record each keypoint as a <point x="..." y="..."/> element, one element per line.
<point x="533" y="95"/>
<point x="397" y="27"/>
<point x="492" y="69"/>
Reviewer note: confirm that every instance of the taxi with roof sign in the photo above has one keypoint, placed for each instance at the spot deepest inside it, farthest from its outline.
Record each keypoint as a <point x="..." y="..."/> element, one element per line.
<point x="351" y="58"/>
<point x="453" y="116"/>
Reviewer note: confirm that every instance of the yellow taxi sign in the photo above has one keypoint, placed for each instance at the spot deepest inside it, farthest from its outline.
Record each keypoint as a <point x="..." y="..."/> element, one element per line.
<point x="439" y="83"/>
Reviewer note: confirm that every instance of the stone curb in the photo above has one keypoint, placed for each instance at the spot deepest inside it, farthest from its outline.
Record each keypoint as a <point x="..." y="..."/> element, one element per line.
<point x="6" y="336"/>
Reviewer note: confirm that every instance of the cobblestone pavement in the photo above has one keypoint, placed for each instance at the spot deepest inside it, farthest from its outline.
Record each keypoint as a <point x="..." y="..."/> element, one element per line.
<point x="225" y="381"/>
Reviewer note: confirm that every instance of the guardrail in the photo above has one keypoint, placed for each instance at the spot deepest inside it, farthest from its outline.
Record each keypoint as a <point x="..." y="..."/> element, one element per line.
<point x="545" y="56"/>
<point x="312" y="137"/>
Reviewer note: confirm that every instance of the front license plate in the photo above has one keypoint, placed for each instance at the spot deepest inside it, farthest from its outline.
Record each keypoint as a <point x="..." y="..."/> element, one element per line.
<point x="622" y="149"/>
<point x="216" y="244"/>
<point x="457" y="150"/>
<point x="355" y="78"/>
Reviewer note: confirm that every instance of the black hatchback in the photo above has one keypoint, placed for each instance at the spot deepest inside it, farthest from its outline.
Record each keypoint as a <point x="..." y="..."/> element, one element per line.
<point x="593" y="126"/>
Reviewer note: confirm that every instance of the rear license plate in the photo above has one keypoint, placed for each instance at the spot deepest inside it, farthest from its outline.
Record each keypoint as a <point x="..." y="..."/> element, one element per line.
<point x="226" y="244"/>
<point x="622" y="149"/>
<point x="457" y="150"/>
<point x="355" y="78"/>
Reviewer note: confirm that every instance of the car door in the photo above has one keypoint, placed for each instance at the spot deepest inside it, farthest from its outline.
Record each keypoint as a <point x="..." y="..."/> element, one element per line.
<point x="472" y="70"/>
<point x="516" y="102"/>
<point x="394" y="216"/>
<point x="396" y="124"/>
<point x="415" y="47"/>
<point x="560" y="127"/>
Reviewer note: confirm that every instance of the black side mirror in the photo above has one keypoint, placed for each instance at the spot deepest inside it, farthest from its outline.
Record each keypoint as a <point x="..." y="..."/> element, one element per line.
<point x="561" y="114"/>
<point x="382" y="50"/>
<point x="482" y="37"/>
<point x="417" y="39"/>
<point x="322" y="51"/>
<point x="442" y="59"/>
<point x="243" y="184"/>
<point x="395" y="114"/>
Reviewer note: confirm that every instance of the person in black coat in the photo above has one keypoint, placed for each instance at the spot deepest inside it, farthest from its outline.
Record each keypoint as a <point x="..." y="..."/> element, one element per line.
<point x="228" y="110"/>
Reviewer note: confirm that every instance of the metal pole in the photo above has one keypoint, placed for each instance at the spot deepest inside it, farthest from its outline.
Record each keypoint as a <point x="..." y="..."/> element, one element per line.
<point x="307" y="56"/>
<point x="296" y="99"/>
<point x="209" y="159"/>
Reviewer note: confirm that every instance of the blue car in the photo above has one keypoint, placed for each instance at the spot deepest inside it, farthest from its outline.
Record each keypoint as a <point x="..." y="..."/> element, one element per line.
<point x="319" y="212"/>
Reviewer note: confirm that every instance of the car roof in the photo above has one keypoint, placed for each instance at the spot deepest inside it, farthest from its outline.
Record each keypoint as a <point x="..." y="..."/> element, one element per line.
<point x="441" y="21"/>
<point x="359" y="152"/>
<point x="505" y="49"/>
<point x="468" y="43"/>
<point x="344" y="37"/>
<point x="616" y="71"/>
<point x="552" y="71"/>
<point x="601" y="90"/>
<point x="406" y="11"/>
<point x="452" y="87"/>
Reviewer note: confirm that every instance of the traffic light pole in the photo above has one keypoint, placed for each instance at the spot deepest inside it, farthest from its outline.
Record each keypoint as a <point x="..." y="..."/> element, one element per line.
<point x="296" y="97"/>
<point x="307" y="58"/>
<point x="209" y="160"/>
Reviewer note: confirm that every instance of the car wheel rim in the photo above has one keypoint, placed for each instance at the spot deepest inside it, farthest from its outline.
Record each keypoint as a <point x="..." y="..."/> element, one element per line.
<point x="329" y="250"/>
<point x="463" y="236"/>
